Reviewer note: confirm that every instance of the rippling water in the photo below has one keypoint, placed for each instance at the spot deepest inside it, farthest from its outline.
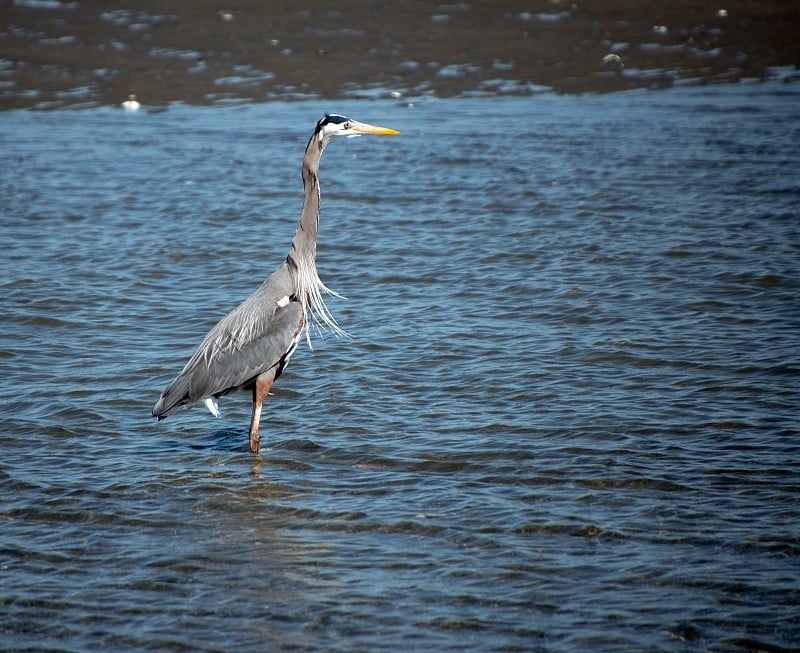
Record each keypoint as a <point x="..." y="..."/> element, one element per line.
<point x="567" y="418"/>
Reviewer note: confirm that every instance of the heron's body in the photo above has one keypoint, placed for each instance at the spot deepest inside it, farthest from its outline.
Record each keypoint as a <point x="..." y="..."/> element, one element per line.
<point x="249" y="348"/>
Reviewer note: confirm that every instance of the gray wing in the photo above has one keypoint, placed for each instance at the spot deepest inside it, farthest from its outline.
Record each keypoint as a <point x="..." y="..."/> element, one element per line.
<point x="254" y="337"/>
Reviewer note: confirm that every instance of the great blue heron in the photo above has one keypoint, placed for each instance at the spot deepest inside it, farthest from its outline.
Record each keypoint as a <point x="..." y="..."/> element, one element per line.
<point x="249" y="348"/>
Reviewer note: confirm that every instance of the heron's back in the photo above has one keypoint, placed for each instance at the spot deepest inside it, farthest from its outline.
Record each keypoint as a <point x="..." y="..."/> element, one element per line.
<point x="259" y="334"/>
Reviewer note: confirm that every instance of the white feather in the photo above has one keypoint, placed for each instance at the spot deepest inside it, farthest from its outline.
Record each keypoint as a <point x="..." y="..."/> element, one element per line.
<point x="213" y="407"/>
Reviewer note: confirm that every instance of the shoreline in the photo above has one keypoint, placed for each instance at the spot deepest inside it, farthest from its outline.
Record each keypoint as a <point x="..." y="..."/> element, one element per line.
<point x="82" y="54"/>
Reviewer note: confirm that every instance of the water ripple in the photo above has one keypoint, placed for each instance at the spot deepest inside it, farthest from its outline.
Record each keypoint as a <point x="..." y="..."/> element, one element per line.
<point x="567" y="417"/>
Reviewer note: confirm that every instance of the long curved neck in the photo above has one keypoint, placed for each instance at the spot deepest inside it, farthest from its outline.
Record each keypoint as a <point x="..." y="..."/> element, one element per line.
<point x="304" y="244"/>
<point x="301" y="260"/>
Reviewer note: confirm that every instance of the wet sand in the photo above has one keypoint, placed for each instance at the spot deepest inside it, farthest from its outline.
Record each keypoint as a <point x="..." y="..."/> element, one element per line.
<point x="88" y="53"/>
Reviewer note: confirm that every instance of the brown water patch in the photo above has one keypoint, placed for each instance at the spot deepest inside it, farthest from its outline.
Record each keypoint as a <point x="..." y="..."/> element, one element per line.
<point x="93" y="52"/>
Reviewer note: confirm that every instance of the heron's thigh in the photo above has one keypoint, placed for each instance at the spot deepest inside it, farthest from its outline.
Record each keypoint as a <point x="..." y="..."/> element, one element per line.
<point x="263" y="384"/>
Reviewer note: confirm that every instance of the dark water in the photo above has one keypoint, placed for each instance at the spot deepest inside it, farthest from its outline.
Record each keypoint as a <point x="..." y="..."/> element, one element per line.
<point x="568" y="418"/>
<point x="93" y="52"/>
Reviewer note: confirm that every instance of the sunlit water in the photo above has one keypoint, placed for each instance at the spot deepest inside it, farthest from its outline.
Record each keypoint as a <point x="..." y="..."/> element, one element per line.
<point x="568" y="418"/>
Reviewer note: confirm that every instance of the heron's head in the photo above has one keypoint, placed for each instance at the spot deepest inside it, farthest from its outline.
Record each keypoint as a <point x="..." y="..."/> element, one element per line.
<point x="332" y="125"/>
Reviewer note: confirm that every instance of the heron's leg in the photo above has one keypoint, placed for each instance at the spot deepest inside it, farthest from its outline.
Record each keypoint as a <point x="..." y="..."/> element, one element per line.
<point x="260" y="391"/>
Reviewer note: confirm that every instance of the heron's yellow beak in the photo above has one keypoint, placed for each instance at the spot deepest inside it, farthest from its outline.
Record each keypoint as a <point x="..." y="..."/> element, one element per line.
<point x="364" y="128"/>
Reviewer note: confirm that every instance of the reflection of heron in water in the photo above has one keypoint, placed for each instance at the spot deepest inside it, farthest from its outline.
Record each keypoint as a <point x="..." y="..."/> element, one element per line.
<point x="249" y="348"/>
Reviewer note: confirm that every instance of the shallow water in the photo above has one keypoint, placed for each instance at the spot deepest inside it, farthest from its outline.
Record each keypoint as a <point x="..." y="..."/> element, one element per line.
<point x="567" y="418"/>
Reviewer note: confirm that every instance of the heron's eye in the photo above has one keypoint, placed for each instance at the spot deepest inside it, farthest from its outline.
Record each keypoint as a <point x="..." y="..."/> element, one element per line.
<point x="346" y="125"/>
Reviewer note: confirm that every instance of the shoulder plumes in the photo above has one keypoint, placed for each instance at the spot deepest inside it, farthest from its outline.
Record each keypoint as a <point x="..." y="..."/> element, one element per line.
<point x="309" y="290"/>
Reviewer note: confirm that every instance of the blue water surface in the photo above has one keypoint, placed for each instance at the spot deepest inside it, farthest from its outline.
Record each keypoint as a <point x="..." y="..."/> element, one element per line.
<point x="567" y="418"/>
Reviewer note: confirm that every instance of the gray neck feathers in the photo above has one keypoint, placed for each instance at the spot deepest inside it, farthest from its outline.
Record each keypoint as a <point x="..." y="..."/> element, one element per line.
<point x="302" y="256"/>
